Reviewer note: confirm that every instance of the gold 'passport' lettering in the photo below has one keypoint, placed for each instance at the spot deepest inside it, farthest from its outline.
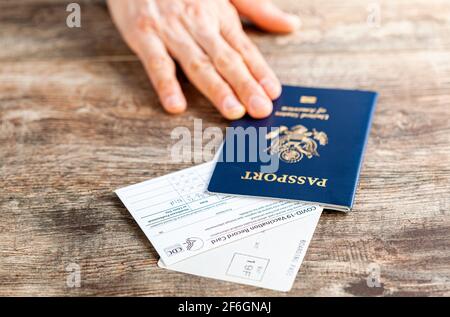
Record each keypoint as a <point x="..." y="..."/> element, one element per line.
<point x="285" y="178"/>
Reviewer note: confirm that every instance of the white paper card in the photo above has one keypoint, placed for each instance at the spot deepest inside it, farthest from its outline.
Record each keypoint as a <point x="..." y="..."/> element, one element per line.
<point x="181" y="219"/>
<point x="270" y="259"/>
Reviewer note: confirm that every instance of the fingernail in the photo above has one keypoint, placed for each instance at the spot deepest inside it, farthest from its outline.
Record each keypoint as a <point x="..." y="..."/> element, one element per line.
<point x="175" y="104"/>
<point x="272" y="87"/>
<point x="259" y="107"/>
<point x="232" y="108"/>
<point x="294" y="20"/>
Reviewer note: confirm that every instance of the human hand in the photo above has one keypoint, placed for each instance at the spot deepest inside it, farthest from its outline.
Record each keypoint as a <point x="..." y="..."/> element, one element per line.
<point x="207" y="40"/>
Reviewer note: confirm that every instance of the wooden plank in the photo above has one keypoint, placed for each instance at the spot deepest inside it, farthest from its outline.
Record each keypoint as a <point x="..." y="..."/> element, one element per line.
<point x="79" y="119"/>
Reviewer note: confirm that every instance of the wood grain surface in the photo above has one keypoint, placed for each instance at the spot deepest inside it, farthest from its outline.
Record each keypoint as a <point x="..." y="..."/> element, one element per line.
<point x="79" y="119"/>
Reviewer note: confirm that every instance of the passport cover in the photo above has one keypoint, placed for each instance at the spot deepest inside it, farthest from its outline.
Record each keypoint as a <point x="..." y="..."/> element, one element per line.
<point x="318" y="137"/>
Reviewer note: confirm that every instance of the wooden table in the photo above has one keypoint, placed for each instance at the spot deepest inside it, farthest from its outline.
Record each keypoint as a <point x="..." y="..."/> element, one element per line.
<point x="79" y="119"/>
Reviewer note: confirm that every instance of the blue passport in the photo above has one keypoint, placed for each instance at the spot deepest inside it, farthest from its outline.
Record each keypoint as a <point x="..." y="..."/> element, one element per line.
<point x="310" y="149"/>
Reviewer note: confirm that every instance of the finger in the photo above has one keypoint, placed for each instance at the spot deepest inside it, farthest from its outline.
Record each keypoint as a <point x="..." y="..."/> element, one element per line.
<point x="201" y="72"/>
<point x="230" y="66"/>
<point x="161" y="70"/>
<point x="267" y="16"/>
<point x="233" y="69"/>
<point x="236" y="37"/>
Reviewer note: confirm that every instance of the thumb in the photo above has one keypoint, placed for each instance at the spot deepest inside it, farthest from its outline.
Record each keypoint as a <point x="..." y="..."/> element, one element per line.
<point x="267" y="16"/>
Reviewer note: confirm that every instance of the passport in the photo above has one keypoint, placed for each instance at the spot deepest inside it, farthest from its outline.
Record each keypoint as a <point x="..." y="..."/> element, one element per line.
<point x="309" y="149"/>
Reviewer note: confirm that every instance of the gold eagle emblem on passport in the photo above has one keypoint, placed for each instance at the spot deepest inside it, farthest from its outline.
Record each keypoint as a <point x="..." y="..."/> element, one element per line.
<point x="293" y="144"/>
